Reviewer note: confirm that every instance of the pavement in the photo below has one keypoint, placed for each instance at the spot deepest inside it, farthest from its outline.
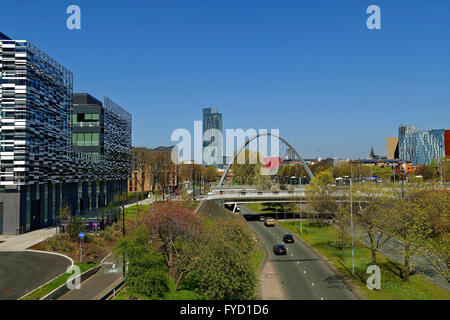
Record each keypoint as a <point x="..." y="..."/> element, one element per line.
<point x="23" y="241"/>
<point x="146" y="201"/>
<point x="23" y="272"/>
<point x="270" y="284"/>
<point x="303" y="275"/>
<point x="109" y="272"/>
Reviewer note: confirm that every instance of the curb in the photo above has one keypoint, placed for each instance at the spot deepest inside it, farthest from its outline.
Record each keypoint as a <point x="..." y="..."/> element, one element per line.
<point x="61" y="290"/>
<point x="111" y="290"/>
<point x="53" y="253"/>
<point x="200" y="205"/>
<point x="330" y="265"/>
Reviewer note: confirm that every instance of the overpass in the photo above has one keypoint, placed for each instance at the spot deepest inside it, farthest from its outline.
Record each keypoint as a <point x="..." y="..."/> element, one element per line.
<point x="248" y="196"/>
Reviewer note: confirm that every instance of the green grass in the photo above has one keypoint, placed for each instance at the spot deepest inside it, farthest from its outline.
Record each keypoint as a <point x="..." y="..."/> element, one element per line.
<point x="130" y="213"/>
<point x="264" y="208"/>
<point x="257" y="258"/>
<point x="181" y="294"/>
<point x="392" y="286"/>
<point x="56" y="283"/>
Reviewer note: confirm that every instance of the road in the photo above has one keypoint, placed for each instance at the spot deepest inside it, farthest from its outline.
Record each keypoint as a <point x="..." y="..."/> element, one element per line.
<point x="22" y="272"/>
<point x="303" y="274"/>
<point x="109" y="272"/>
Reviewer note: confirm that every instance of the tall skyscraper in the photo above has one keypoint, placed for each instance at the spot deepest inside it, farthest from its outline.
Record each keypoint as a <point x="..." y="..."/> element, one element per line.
<point x="212" y="121"/>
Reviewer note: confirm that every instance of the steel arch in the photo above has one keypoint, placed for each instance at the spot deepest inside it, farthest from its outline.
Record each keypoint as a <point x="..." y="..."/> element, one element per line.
<point x="310" y="174"/>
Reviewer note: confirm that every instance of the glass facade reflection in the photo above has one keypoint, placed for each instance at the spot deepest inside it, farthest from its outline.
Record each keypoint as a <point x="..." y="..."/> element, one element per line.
<point x="421" y="147"/>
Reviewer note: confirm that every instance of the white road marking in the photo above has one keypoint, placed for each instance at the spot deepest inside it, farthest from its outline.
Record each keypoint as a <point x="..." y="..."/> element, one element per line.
<point x="312" y="283"/>
<point x="114" y="266"/>
<point x="321" y="298"/>
<point x="304" y="272"/>
<point x="298" y="262"/>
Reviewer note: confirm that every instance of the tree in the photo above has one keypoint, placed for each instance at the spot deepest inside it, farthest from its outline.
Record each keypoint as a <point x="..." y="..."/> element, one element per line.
<point x="436" y="247"/>
<point x="173" y="226"/>
<point x="372" y="153"/>
<point x="320" y="194"/>
<point x="210" y="174"/>
<point x="74" y="227"/>
<point x="246" y="168"/>
<point x="384" y="173"/>
<point x="342" y="222"/>
<point x="65" y="212"/>
<point x="409" y="226"/>
<point x="223" y="270"/>
<point x="371" y="212"/>
<point x="146" y="272"/>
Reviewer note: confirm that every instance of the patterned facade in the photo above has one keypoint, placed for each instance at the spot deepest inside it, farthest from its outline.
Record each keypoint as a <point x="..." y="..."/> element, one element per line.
<point x="41" y="168"/>
<point x="422" y="147"/>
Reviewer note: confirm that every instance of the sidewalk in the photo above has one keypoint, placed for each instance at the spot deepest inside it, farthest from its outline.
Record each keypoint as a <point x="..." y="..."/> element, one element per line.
<point x="24" y="241"/>
<point x="109" y="273"/>
<point x="146" y="201"/>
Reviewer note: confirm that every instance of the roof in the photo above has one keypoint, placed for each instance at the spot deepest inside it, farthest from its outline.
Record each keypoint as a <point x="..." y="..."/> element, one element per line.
<point x="4" y="37"/>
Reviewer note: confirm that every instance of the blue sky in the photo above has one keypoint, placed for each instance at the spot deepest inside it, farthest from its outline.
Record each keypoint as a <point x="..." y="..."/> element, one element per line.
<point x="309" y="68"/>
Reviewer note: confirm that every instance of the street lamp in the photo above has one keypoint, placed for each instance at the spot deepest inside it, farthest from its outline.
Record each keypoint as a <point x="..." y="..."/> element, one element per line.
<point x="351" y="219"/>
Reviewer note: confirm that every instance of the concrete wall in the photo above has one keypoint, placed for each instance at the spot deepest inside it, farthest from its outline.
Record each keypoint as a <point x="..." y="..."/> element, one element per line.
<point x="11" y="210"/>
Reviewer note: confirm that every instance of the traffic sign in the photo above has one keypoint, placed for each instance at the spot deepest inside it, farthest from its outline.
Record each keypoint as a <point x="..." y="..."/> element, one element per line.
<point x="81" y="235"/>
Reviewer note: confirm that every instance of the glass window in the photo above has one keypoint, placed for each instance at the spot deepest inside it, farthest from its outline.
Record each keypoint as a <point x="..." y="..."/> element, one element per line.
<point x="95" y="140"/>
<point x="87" y="139"/>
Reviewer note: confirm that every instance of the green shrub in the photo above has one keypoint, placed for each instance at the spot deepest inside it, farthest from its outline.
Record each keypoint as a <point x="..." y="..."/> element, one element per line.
<point x="147" y="272"/>
<point x="74" y="227"/>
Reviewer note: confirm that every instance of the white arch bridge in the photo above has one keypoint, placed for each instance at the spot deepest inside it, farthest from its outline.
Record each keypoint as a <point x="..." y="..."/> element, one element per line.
<point x="224" y="175"/>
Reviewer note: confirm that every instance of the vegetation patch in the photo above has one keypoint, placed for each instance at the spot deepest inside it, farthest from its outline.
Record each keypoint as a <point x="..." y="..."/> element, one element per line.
<point x="392" y="285"/>
<point x="56" y="283"/>
<point x="174" y="254"/>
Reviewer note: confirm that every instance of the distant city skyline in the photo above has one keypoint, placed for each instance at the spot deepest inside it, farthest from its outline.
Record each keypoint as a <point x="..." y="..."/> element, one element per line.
<point x="311" y="69"/>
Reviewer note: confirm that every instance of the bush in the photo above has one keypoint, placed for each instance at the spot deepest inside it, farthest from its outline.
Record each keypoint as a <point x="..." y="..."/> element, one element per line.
<point x="223" y="270"/>
<point x="147" y="273"/>
<point x="74" y="227"/>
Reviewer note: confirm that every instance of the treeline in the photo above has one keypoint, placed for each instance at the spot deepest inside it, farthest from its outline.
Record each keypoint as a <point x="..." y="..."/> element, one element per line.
<point x="169" y="243"/>
<point x="417" y="216"/>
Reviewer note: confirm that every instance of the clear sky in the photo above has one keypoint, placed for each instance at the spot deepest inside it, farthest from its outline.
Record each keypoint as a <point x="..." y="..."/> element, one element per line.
<point x="309" y="68"/>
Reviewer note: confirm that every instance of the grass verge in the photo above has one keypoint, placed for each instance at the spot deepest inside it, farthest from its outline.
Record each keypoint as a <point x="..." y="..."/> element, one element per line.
<point x="56" y="283"/>
<point x="127" y="294"/>
<point x="392" y="286"/>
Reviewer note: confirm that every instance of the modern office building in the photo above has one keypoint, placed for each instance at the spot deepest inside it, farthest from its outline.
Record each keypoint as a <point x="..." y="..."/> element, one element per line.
<point x="212" y="120"/>
<point x="392" y="152"/>
<point x="422" y="147"/>
<point x="40" y="170"/>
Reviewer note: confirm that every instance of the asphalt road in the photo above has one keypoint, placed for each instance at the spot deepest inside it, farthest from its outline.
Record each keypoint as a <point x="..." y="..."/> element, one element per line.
<point x="109" y="272"/>
<point x="304" y="275"/>
<point x="22" y="272"/>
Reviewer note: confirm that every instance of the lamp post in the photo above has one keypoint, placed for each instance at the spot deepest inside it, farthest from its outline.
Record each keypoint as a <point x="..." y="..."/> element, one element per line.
<point x="351" y="218"/>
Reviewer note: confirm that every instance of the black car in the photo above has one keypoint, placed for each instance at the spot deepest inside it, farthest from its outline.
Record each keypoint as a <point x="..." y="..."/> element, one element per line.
<point x="279" y="250"/>
<point x="288" y="238"/>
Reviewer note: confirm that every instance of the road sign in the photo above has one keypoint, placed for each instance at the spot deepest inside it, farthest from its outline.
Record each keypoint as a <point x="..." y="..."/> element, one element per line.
<point x="81" y="235"/>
